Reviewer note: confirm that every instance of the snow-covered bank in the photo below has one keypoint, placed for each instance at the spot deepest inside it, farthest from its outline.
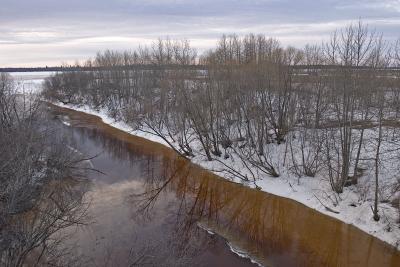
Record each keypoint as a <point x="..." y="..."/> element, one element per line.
<point x="353" y="208"/>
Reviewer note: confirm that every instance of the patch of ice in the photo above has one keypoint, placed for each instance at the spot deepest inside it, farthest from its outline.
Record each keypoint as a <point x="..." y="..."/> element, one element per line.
<point x="208" y="230"/>
<point x="66" y="123"/>
<point x="242" y="253"/>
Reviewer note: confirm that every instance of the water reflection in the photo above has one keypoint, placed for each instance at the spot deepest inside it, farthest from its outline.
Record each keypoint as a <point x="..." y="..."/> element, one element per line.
<point x="122" y="236"/>
<point x="275" y="231"/>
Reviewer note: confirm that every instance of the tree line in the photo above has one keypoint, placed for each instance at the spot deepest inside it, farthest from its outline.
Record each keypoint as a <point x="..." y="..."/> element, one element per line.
<point x="258" y="108"/>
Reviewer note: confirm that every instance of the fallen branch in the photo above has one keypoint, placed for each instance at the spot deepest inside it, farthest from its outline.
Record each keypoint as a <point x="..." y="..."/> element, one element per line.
<point x="326" y="207"/>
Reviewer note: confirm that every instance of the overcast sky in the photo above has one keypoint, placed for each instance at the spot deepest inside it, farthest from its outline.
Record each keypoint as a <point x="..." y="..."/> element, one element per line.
<point x="49" y="32"/>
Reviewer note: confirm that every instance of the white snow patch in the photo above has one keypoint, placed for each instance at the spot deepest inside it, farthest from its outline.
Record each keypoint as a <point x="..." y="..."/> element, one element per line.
<point x="351" y="208"/>
<point x="29" y="82"/>
<point x="66" y="123"/>
<point x="208" y="230"/>
<point x="242" y="253"/>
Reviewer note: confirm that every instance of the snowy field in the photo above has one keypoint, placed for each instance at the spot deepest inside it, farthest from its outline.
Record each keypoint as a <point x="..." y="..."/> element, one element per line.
<point x="354" y="207"/>
<point x="29" y="82"/>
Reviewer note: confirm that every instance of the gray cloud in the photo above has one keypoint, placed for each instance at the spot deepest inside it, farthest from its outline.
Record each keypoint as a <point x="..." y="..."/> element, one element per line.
<point x="51" y="31"/>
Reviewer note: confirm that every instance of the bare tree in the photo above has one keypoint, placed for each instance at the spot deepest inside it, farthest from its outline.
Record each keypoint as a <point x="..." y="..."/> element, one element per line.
<point x="39" y="192"/>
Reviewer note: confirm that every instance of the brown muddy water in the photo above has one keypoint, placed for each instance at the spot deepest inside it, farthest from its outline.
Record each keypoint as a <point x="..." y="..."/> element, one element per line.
<point x="148" y="204"/>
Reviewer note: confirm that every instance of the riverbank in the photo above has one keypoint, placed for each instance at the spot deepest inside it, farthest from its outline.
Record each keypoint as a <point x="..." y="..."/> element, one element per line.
<point x="312" y="192"/>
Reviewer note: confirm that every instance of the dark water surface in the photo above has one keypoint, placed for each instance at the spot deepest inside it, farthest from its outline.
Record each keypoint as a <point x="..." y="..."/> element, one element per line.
<point x="148" y="205"/>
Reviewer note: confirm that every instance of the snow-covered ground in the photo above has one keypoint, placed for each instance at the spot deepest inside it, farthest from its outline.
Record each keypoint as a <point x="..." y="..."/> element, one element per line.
<point x="353" y="208"/>
<point x="29" y="82"/>
<point x="315" y="192"/>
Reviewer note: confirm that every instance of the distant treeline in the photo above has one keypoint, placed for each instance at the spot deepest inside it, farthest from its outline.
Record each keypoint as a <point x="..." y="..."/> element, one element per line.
<point x="85" y="68"/>
<point x="40" y="69"/>
<point x="147" y="66"/>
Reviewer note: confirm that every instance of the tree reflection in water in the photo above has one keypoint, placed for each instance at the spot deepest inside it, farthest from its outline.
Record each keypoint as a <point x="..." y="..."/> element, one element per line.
<point x="152" y="238"/>
<point x="274" y="230"/>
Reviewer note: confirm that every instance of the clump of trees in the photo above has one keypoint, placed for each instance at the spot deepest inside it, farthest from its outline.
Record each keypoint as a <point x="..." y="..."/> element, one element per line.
<point x="256" y="107"/>
<point x="39" y="176"/>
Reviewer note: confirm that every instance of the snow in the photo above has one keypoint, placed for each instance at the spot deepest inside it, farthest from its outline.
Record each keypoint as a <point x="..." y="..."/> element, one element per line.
<point x="205" y="228"/>
<point x="234" y="248"/>
<point x="29" y="82"/>
<point x="315" y="192"/>
<point x="65" y="120"/>
<point x="242" y="253"/>
<point x="66" y="123"/>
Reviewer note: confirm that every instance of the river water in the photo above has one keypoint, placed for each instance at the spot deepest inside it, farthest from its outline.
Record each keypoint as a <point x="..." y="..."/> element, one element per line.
<point x="151" y="208"/>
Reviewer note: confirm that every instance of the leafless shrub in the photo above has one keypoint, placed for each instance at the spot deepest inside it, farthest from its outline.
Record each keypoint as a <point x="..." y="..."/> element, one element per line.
<point x="41" y="190"/>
